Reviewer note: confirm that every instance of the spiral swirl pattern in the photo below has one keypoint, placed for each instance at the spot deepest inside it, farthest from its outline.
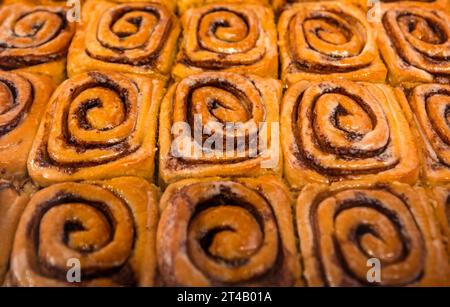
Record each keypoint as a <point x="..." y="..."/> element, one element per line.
<point x="441" y="197"/>
<point x="345" y="226"/>
<point x="16" y="97"/>
<point x="12" y="204"/>
<point x="431" y="104"/>
<point x="233" y="108"/>
<point x="31" y="35"/>
<point x="324" y="38"/>
<point x="340" y="130"/>
<point x="232" y="37"/>
<point x="133" y="34"/>
<point x="21" y="107"/>
<point x="99" y="225"/>
<point x="226" y="233"/>
<point x="216" y="99"/>
<point x="415" y="41"/>
<point x="96" y="120"/>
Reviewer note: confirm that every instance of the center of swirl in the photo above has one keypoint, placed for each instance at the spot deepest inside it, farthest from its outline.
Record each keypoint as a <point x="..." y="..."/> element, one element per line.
<point x="348" y="122"/>
<point x="36" y="28"/>
<point x="422" y="28"/>
<point x="216" y="104"/>
<point x="85" y="222"/>
<point x="364" y="224"/>
<point x="98" y="108"/>
<point x="335" y="35"/>
<point x="229" y="32"/>
<point x="133" y="27"/>
<point x="231" y="234"/>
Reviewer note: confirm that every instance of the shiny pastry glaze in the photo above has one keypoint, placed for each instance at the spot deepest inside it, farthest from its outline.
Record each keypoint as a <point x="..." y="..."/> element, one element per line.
<point x="17" y="95"/>
<point x="325" y="38"/>
<point x="220" y="36"/>
<point x="225" y="233"/>
<point x="81" y="221"/>
<point x="421" y="39"/>
<point x="341" y="129"/>
<point x="78" y="131"/>
<point x="218" y="98"/>
<point x="441" y="196"/>
<point x="31" y="35"/>
<point x="133" y="34"/>
<point x="430" y="103"/>
<point x="343" y="227"/>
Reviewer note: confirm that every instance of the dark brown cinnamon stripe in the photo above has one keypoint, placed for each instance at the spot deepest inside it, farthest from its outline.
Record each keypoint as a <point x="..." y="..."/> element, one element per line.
<point x="431" y="31"/>
<point x="121" y="146"/>
<point x="333" y="18"/>
<point x="237" y="88"/>
<point x="224" y="18"/>
<point x="20" y="93"/>
<point x="323" y="144"/>
<point x="252" y="209"/>
<point x="75" y="209"/>
<point x="157" y="35"/>
<point x="364" y="228"/>
<point x="429" y="103"/>
<point x="48" y="37"/>
<point x="347" y="228"/>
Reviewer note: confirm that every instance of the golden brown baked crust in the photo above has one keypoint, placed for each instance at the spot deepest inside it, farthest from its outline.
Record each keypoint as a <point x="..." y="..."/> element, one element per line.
<point x="109" y="226"/>
<point x="425" y="107"/>
<point x="328" y="40"/>
<point x="131" y="38"/>
<point x="35" y="39"/>
<point x="12" y="202"/>
<point x="238" y="38"/>
<point x="216" y="232"/>
<point x="81" y="139"/>
<point x="219" y="98"/>
<point x="342" y="130"/>
<point x="441" y="201"/>
<point x="343" y="226"/>
<point x="169" y="3"/>
<point x="368" y="5"/>
<point x="184" y="5"/>
<point x="23" y="98"/>
<point x="414" y="40"/>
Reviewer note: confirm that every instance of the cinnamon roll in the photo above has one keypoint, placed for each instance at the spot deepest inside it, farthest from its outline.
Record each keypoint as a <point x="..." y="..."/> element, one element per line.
<point x="348" y="229"/>
<point x="12" y="203"/>
<point x="414" y="40"/>
<point x="342" y="130"/>
<point x="369" y="4"/>
<point x="441" y="201"/>
<point x="223" y="232"/>
<point x="40" y="2"/>
<point x="219" y="124"/>
<point x="328" y="40"/>
<point x="35" y="39"/>
<point x="107" y="228"/>
<point x="184" y="5"/>
<point x="136" y="37"/>
<point x="23" y="97"/>
<point x="97" y="125"/>
<point x="426" y="107"/>
<point x="169" y="3"/>
<point x="238" y="38"/>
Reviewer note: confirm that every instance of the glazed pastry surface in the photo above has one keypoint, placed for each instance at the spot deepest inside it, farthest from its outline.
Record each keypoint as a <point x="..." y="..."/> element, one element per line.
<point x="217" y="231"/>
<point x="81" y="139"/>
<point x="109" y="226"/>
